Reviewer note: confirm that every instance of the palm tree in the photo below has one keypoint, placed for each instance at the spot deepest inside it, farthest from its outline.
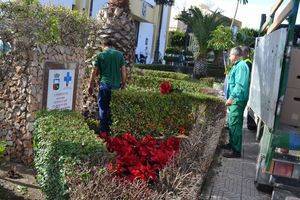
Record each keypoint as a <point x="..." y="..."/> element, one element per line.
<point x="202" y="25"/>
<point x="236" y="9"/>
<point x="162" y="3"/>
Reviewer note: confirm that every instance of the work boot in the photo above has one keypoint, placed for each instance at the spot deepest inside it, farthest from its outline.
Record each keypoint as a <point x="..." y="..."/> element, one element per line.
<point x="226" y="146"/>
<point x="232" y="154"/>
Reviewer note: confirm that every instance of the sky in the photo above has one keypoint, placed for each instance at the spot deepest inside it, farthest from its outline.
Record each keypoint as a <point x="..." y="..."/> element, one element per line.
<point x="249" y="14"/>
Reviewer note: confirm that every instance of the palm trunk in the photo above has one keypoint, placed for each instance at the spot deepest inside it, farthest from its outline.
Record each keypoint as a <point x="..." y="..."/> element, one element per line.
<point x="236" y="9"/>
<point x="200" y="67"/>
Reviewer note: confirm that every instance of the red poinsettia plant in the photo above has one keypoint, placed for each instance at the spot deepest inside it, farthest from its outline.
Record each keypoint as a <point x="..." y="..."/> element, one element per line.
<point x="140" y="159"/>
<point x="165" y="87"/>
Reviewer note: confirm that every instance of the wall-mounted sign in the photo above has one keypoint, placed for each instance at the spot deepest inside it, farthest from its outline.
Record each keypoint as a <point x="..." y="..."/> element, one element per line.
<point x="60" y="89"/>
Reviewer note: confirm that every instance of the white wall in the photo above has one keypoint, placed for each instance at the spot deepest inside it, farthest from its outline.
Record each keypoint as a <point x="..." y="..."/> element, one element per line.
<point x="164" y="31"/>
<point x="65" y="3"/>
<point x="145" y="40"/>
<point x="97" y="6"/>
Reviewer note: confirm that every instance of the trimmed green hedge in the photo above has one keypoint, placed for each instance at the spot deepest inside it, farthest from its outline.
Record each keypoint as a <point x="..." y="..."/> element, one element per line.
<point x="153" y="83"/>
<point x="61" y="140"/>
<point x="146" y="112"/>
<point x="162" y="74"/>
<point x="212" y="70"/>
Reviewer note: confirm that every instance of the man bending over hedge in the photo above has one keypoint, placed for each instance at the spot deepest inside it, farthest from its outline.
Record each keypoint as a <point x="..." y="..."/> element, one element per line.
<point x="110" y="65"/>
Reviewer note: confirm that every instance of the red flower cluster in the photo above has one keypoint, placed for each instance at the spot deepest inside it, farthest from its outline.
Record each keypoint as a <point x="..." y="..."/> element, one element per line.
<point x="140" y="159"/>
<point x="165" y="87"/>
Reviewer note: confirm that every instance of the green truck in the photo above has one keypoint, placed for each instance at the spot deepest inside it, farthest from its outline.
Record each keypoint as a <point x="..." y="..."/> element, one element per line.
<point x="275" y="101"/>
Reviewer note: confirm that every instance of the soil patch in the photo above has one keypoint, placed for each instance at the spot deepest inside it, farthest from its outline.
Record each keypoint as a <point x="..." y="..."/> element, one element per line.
<point x="22" y="187"/>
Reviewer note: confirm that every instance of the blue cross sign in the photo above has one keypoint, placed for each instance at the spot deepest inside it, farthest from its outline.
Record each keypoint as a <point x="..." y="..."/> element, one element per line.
<point x="68" y="79"/>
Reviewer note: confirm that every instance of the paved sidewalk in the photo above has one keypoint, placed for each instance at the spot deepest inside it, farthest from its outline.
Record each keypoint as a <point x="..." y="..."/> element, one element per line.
<point x="233" y="179"/>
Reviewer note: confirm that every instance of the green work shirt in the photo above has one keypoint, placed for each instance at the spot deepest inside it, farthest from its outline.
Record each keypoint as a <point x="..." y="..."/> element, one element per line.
<point x="238" y="82"/>
<point x="109" y="63"/>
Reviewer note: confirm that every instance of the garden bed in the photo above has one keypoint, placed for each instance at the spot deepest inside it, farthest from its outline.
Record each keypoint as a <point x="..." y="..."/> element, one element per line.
<point x="182" y="177"/>
<point x="163" y="142"/>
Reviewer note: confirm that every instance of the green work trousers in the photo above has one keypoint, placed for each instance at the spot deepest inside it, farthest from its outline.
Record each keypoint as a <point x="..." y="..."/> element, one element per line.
<point x="235" y="124"/>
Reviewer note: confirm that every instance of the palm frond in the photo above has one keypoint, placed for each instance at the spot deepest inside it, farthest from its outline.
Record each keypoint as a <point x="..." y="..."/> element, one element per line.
<point x="202" y="25"/>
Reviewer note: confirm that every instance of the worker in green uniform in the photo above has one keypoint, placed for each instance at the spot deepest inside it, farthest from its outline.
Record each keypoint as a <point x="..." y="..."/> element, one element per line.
<point x="111" y="71"/>
<point x="237" y="97"/>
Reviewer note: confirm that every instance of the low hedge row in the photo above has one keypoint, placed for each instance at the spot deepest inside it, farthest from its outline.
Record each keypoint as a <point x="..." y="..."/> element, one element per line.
<point x="61" y="140"/>
<point x="153" y="83"/>
<point x="162" y="74"/>
<point x="147" y="112"/>
<point x="212" y="70"/>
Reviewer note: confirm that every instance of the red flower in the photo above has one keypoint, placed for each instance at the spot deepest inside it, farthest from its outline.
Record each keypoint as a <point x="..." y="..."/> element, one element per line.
<point x="165" y="87"/>
<point x="140" y="159"/>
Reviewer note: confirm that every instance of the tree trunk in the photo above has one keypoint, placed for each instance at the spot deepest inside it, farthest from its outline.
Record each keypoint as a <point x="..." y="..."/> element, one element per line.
<point x="235" y="13"/>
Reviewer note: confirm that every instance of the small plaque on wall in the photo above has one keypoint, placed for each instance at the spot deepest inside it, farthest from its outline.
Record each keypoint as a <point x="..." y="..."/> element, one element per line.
<point x="60" y="89"/>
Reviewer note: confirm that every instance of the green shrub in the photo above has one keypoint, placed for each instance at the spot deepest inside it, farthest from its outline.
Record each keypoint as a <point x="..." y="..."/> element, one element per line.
<point x="153" y="83"/>
<point x="172" y="50"/>
<point x="46" y="25"/>
<point x="61" y="140"/>
<point x="162" y="74"/>
<point x="146" y="112"/>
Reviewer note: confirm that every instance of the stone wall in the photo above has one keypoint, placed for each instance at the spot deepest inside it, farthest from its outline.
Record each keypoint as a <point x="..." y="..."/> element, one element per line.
<point x="22" y="92"/>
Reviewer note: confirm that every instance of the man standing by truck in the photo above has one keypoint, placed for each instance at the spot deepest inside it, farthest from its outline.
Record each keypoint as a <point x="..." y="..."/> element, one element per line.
<point x="237" y="97"/>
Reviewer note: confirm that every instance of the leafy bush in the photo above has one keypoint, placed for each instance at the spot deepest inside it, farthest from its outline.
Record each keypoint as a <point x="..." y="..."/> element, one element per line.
<point x="172" y="50"/>
<point x="177" y="39"/>
<point x="162" y="74"/>
<point x="61" y="140"/>
<point x="145" y="112"/>
<point x="37" y="24"/>
<point x="221" y="39"/>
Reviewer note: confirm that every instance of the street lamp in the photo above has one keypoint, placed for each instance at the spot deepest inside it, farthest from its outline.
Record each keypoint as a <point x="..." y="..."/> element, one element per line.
<point x="162" y="3"/>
